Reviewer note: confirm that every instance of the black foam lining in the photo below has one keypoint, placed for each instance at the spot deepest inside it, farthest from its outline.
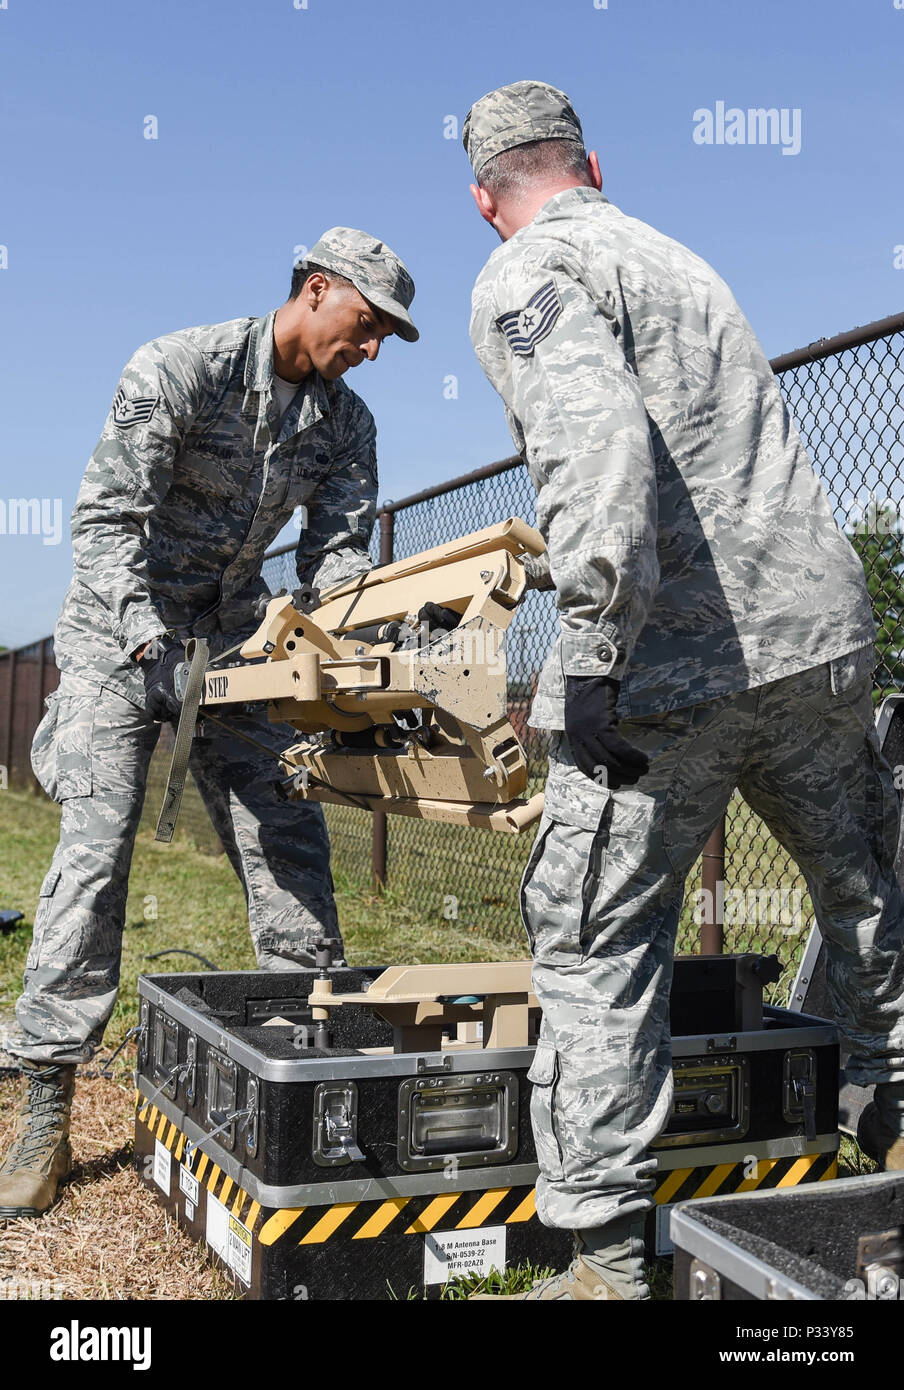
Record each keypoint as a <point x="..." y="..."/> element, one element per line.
<point x="808" y="1234"/>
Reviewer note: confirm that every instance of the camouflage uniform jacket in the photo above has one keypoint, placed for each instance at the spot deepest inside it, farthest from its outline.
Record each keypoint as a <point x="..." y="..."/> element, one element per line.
<point x="191" y="480"/>
<point x="692" y="547"/>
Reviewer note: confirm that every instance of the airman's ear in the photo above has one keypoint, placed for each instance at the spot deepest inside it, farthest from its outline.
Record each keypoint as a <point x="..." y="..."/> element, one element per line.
<point x="485" y="204"/>
<point x="315" y="287"/>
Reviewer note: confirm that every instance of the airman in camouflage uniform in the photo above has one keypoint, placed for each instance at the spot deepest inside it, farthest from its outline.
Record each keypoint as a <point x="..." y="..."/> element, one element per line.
<point x="706" y="597"/>
<point x="206" y="454"/>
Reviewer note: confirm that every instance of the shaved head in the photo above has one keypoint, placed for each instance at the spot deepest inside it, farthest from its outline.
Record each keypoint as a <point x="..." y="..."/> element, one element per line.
<point x="514" y="173"/>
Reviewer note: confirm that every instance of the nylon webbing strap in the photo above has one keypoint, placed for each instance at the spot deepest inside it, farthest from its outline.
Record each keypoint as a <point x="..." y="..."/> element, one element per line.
<point x="191" y="702"/>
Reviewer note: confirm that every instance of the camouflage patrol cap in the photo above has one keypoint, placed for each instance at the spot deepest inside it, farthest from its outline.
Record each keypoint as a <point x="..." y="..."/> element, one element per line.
<point x="374" y="270"/>
<point x="516" y="115"/>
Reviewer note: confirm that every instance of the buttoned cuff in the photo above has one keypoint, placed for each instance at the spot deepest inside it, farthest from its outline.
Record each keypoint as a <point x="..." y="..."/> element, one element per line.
<point x="139" y="626"/>
<point x="597" y="653"/>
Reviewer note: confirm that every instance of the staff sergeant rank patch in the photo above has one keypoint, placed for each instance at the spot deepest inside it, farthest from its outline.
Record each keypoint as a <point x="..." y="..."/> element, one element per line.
<point x="135" y="411"/>
<point x="526" y="327"/>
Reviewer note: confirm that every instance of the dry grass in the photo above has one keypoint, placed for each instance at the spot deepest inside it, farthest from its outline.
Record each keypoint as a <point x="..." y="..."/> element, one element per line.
<point x="106" y="1238"/>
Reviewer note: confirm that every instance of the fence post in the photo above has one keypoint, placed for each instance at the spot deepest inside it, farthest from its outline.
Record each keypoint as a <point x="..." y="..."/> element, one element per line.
<point x="378" y="840"/>
<point x="711" y="933"/>
<point x="8" y="732"/>
<point x="42" y="665"/>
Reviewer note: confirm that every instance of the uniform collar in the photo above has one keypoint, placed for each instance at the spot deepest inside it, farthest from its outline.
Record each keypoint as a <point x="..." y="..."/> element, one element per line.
<point x="315" y="397"/>
<point x="311" y="402"/>
<point x="259" y="362"/>
<point x="561" y="204"/>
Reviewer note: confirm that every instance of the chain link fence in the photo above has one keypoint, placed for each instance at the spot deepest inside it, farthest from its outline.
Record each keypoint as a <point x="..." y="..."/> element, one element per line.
<point x="846" y="396"/>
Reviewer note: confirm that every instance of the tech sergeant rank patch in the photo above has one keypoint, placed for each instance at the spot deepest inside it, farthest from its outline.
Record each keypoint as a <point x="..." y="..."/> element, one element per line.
<point x="526" y="327"/>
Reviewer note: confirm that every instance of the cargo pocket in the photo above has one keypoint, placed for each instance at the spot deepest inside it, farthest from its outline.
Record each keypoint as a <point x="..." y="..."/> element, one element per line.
<point x="543" y="1076"/>
<point x="883" y="804"/>
<point x="850" y="680"/>
<point x="45" y="904"/>
<point x="561" y="880"/>
<point x="536" y="854"/>
<point x="847" y="672"/>
<point x="61" y="748"/>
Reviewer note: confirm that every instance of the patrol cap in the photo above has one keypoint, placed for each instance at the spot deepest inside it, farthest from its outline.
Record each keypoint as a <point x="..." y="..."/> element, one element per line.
<point x="374" y="270"/>
<point x="516" y="115"/>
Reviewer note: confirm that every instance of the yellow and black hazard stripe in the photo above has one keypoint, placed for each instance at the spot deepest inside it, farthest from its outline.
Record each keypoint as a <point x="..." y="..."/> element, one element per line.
<point x="366" y="1220"/>
<point x="750" y="1175"/>
<point x="461" y="1211"/>
<point x="207" y="1173"/>
<point x="410" y="1216"/>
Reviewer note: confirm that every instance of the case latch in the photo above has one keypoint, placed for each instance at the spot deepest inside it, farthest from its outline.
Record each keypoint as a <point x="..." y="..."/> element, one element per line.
<point x="336" y="1125"/>
<point x="799" y="1089"/>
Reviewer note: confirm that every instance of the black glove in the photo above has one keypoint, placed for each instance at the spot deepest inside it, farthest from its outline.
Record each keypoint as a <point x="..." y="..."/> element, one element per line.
<point x="158" y="666"/>
<point x="590" y="723"/>
<point x="438" y="617"/>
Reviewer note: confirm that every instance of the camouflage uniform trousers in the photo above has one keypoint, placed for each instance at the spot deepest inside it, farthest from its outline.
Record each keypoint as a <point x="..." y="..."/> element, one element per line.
<point x="91" y="753"/>
<point x="602" y="892"/>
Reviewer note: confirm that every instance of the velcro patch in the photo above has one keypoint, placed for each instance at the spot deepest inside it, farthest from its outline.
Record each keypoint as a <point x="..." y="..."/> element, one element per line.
<point x="136" y="410"/>
<point x="526" y="327"/>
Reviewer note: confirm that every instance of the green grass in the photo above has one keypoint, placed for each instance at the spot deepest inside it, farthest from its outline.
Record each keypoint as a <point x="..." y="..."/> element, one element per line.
<point x="452" y="893"/>
<point x="515" y="1279"/>
<point x="181" y="897"/>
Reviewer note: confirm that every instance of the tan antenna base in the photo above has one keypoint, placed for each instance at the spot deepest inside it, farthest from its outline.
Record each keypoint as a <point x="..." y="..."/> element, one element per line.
<point x="399" y="716"/>
<point x="418" y="1000"/>
<point x="508" y="819"/>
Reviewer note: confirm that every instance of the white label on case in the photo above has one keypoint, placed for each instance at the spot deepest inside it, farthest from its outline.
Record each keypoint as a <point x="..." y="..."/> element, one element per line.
<point x="239" y="1256"/>
<point x="217" y="1227"/>
<point x="448" y="1253"/>
<point x="188" y="1184"/>
<point x="163" y="1166"/>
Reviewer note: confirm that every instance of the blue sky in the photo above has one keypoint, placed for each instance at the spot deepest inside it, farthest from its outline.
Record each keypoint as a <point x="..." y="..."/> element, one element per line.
<point x="275" y="122"/>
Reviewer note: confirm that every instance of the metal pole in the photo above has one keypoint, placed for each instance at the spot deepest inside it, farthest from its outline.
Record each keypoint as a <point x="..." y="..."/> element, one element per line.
<point x="378" y="839"/>
<point x="711" y="933"/>
<point x="42" y="665"/>
<point x="8" y="731"/>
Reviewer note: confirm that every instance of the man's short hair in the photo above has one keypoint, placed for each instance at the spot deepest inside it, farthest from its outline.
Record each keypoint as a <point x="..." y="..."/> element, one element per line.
<point x="301" y="273"/>
<point x="514" y="172"/>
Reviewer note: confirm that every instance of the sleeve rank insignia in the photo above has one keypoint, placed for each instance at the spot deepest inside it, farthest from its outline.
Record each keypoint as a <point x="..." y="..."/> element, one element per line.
<point x="135" y="411"/>
<point x="526" y="327"/>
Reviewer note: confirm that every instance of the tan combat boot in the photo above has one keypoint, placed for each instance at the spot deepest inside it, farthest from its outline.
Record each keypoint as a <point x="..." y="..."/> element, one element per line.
<point x="40" y="1155"/>
<point x="879" y="1141"/>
